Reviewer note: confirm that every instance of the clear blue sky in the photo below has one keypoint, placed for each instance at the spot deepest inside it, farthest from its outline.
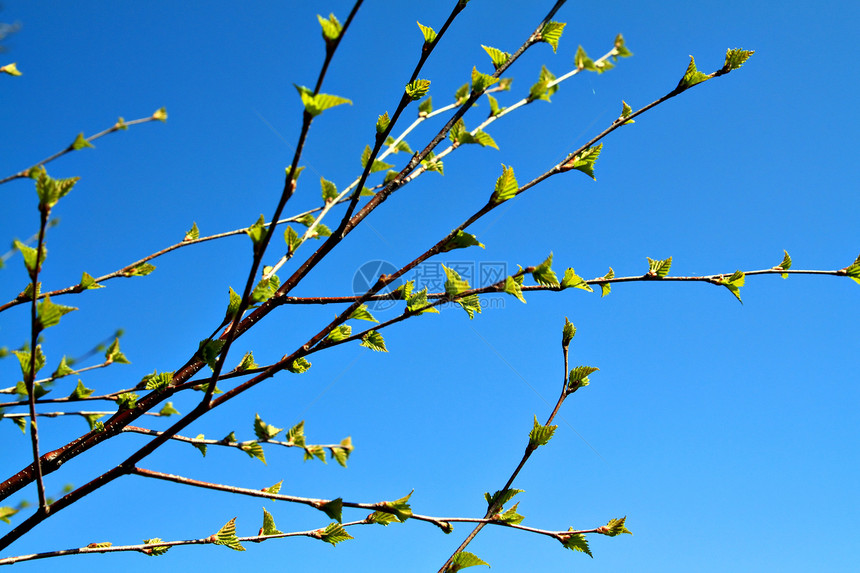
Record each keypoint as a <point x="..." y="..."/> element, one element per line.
<point x="727" y="433"/>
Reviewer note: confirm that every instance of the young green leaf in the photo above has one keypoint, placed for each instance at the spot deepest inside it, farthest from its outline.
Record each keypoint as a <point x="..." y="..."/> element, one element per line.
<point x="113" y="354"/>
<point x="425" y="108"/>
<point x="404" y="291"/>
<point x="691" y="77"/>
<point x="382" y="518"/>
<point x="158" y="382"/>
<point x="339" y="333"/>
<point x="419" y="301"/>
<point x="582" y="61"/>
<point x="49" y="314"/>
<point x="81" y="391"/>
<point x="29" y="256"/>
<point x="578" y="378"/>
<point x="269" y="527"/>
<point x="263" y="430"/>
<point x="614" y="527"/>
<point x="377" y="164"/>
<point x="88" y="282"/>
<point x="400" y="146"/>
<point x="540" y="435"/>
<point x="572" y="280"/>
<point x="292" y="239"/>
<point x="254" y="450"/>
<point x="583" y="161"/>
<point x="481" y="82"/>
<point x="289" y="170"/>
<point x="12" y="70"/>
<point x="853" y="271"/>
<point x="471" y="304"/>
<point x="257" y="231"/>
<point x="544" y="275"/>
<point x="265" y="289"/>
<point x="299" y="365"/>
<point x="462" y="94"/>
<point x="314" y="451"/>
<point x="331" y="27"/>
<point x="454" y="284"/>
<point x="81" y="142"/>
<point x="428" y="32"/>
<point x="227" y="536"/>
<point x="658" y="268"/>
<point x="430" y="163"/>
<point x="193" y="233"/>
<point x="168" y="410"/>
<point x="626" y="110"/>
<point x="494" y="106"/>
<point x="497" y="56"/>
<point x="540" y="90"/>
<point x="735" y="58"/>
<point x="273" y="488"/>
<point x="232" y="306"/>
<point x="51" y="190"/>
<point x="567" y="332"/>
<point x="156" y="550"/>
<point x="200" y="447"/>
<point x="417" y="89"/>
<point x="399" y="507"/>
<point x="620" y="50"/>
<point x="501" y="497"/>
<point x="160" y="115"/>
<point x="209" y="351"/>
<point x="514" y="288"/>
<point x="733" y="283"/>
<point x="576" y="542"/>
<point x="329" y="190"/>
<point x="7" y="512"/>
<point x="316" y="104"/>
<point x="333" y="509"/>
<point x="551" y="33"/>
<point x="506" y="186"/>
<point x="605" y="288"/>
<point x="296" y="435"/>
<point x="139" y="270"/>
<point x="361" y="313"/>
<point x="335" y="533"/>
<point x="784" y="265"/>
<point x="463" y="559"/>
<point x="374" y="341"/>
<point x="511" y="516"/>
<point x="24" y="361"/>
<point x="126" y="401"/>
<point x="460" y="241"/>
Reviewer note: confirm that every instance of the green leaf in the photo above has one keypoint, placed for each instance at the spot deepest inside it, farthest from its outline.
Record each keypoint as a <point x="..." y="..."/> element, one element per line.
<point x="501" y="497"/>
<point x="430" y="163"/>
<point x="382" y="518"/>
<point x="583" y="161"/>
<point x="582" y="61"/>
<point x="160" y="114"/>
<point x="93" y="421"/>
<point x="314" y="451"/>
<point x="63" y="369"/>
<point x="620" y="49"/>
<point x="12" y="70"/>
<point x="481" y="82"/>
<point x="24" y="360"/>
<point x="88" y="282"/>
<point x="426" y="107"/>
<point x="316" y="104"/>
<point x="506" y="186"/>
<point x="658" y="268"/>
<point x="49" y="314"/>
<point x="288" y="171"/>
<point x="140" y="270"/>
<point x="201" y="447"/>
<point x="265" y="289"/>
<point x="6" y="513"/>
<point x="296" y="435"/>
<point x="257" y="231"/>
<point x="494" y="106"/>
<point x="579" y="377"/>
<point x="273" y="488"/>
<point x="299" y="365"/>
<point x="399" y="507"/>
<point x="497" y="56"/>
<point x="404" y="291"/>
<point x="168" y="410"/>
<point x="51" y="190"/>
<point x="361" y="313"/>
<point x="331" y="27"/>
<point x="540" y="435"/>
<point x="551" y="32"/>
<point x="733" y="283"/>
<point x="254" y="450"/>
<point x="126" y="401"/>
<point x="784" y="265"/>
<point x="511" y="515"/>
<point x="460" y="241"/>
<point x="626" y="110"/>
<point x="269" y="524"/>
<point x="483" y="139"/>
<point x="154" y="551"/>
<point x="374" y="341"/>
<point x="417" y="89"/>
<point x="263" y="430"/>
<point x="335" y="533"/>
<point x="567" y="332"/>
<point x="603" y="66"/>
<point x="81" y="391"/>
<point x="605" y="288"/>
<point x="540" y="90"/>
<point x="514" y="288"/>
<point x="576" y="542"/>
<point x="544" y="275"/>
<point x="341" y="453"/>
<point x="81" y="142"/>
<point x="193" y="233"/>
<point x="339" y="333"/>
<point x="853" y="271"/>
<point x="471" y="304"/>
<point x="735" y="58"/>
<point x="232" y="306"/>
<point x="22" y="425"/>
<point x="572" y="280"/>
<point x="462" y="94"/>
<point x="209" y="351"/>
<point x="377" y="164"/>
<point x="614" y="527"/>
<point x="227" y="536"/>
<point x="454" y="284"/>
<point x="329" y="190"/>
<point x="691" y="77"/>
<point x="429" y="33"/>
<point x="463" y="559"/>
<point x="292" y="239"/>
<point x="333" y="509"/>
<point x="418" y="301"/>
<point x="158" y="382"/>
<point x="29" y="256"/>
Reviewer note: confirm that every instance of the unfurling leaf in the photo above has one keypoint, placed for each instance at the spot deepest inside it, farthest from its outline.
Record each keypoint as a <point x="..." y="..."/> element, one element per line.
<point x="551" y="32"/>
<point x="168" y="410"/>
<point x="426" y="107"/>
<point x="568" y="332"/>
<point x="263" y="430"/>
<point x="691" y="77"/>
<point x="417" y="89"/>
<point x="329" y="190"/>
<point x="374" y="341"/>
<point x="626" y="110"/>
<point x="335" y="533"/>
<point x="418" y="301"/>
<point x="784" y="265"/>
<point x="316" y="104"/>
<point x="269" y="527"/>
<point x="540" y="435"/>
<point x="140" y="270"/>
<point x="12" y="70"/>
<point x="544" y="275"/>
<point x="511" y="515"/>
<point x="227" y="536"/>
<point x="193" y="233"/>
<point x="506" y="186"/>
<point x="463" y="559"/>
<point x="605" y="288"/>
<point x="361" y="313"/>
<point x="209" y="351"/>
<point x="339" y="333"/>
<point x="579" y="378"/>
<point x="126" y="401"/>
<point x="576" y="542"/>
<point x="113" y="354"/>
<point x="620" y="49"/>
<point x="515" y="288"/>
<point x="481" y="82"/>
<point x="614" y="527"/>
<point x="81" y="391"/>
<point x="382" y="518"/>
<point x="460" y="241"/>
<point x="583" y="161"/>
<point x="160" y="114"/>
<point x="428" y="32"/>
<point x="571" y="279"/>
<point x="333" y="509"/>
<point x="540" y="89"/>
<point x="81" y="142"/>
<point x="51" y="190"/>
<point x="299" y="365"/>
<point x="454" y="284"/>
<point x="582" y="61"/>
<point x="254" y="450"/>
<point x="501" y="497"/>
<point x="88" y="282"/>
<point x="399" y="507"/>
<point x="735" y="58"/>
<point x="733" y="283"/>
<point x="49" y="314"/>
<point x="853" y="271"/>
<point x="497" y="56"/>
<point x="331" y="27"/>
<point x="377" y="164"/>
<point x="154" y="551"/>
<point x="658" y="268"/>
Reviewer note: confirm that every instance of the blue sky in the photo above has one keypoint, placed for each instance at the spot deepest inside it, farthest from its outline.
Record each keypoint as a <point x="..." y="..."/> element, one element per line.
<point x="725" y="432"/>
